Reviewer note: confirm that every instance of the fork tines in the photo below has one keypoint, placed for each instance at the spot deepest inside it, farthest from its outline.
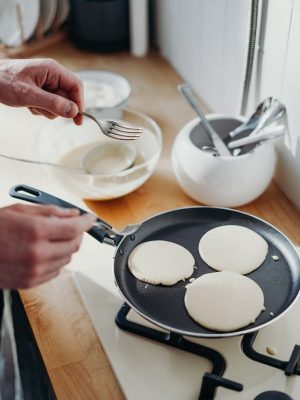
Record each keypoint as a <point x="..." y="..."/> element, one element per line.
<point x="121" y="136"/>
<point x="122" y="132"/>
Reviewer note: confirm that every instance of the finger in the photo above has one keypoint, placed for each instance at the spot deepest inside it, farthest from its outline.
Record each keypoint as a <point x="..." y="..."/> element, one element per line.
<point x="45" y="210"/>
<point x="61" y="93"/>
<point x="40" y="111"/>
<point x="78" y="97"/>
<point x="41" y="279"/>
<point x="52" y="103"/>
<point x="78" y="119"/>
<point x="33" y="111"/>
<point x="56" y="229"/>
<point x="45" y="113"/>
<point x="72" y="85"/>
<point x="48" y="277"/>
<point x="55" y="265"/>
<point x="60" y="249"/>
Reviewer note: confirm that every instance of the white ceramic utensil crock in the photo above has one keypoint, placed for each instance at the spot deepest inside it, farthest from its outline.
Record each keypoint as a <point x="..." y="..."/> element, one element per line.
<point x="220" y="181"/>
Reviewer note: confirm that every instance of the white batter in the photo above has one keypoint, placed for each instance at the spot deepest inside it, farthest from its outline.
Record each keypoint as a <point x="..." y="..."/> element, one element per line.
<point x="233" y="248"/>
<point x="224" y="301"/>
<point x="161" y="262"/>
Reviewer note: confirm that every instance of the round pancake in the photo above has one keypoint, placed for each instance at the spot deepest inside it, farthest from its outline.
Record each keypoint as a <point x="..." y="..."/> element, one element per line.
<point x="224" y="301"/>
<point x="161" y="262"/>
<point x="233" y="248"/>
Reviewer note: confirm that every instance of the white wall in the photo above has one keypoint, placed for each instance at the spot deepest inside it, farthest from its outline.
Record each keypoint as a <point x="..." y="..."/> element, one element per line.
<point x="278" y="75"/>
<point x="206" y="40"/>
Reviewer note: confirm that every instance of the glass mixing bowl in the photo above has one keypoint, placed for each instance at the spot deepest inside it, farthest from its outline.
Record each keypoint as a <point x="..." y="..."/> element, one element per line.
<point x="62" y="142"/>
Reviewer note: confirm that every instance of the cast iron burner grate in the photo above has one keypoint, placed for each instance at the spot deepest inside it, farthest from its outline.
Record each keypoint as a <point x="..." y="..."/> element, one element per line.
<point x="211" y="380"/>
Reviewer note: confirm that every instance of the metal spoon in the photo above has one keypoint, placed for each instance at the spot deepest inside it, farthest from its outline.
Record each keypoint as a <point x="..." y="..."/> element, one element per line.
<point x="108" y="158"/>
<point x="46" y="163"/>
<point x="267" y="111"/>
<point x="210" y="149"/>
<point x="217" y="142"/>
<point x="276" y="111"/>
<point x="126" y="156"/>
<point x="267" y="133"/>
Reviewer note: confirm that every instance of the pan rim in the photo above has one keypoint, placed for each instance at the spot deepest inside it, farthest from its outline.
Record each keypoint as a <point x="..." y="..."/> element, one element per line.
<point x="206" y="335"/>
<point x="214" y="334"/>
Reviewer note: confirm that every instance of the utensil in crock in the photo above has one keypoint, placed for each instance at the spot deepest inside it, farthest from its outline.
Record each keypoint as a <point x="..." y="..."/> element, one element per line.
<point x="252" y="122"/>
<point x="217" y="142"/>
<point x="267" y="133"/>
<point x="220" y="181"/>
<point x="267" y="112"/>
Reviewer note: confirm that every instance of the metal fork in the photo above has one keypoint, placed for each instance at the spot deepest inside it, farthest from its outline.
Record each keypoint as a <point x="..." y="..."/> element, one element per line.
<point x="115" y="130"/>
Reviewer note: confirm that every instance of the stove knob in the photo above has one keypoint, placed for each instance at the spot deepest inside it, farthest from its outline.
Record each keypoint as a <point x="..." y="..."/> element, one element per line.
<point x="273" y="395"/>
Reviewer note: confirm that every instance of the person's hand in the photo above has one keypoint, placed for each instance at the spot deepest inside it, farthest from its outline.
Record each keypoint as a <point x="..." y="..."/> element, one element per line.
<point x="37" y="241"/>
<point x="43" y="85"/>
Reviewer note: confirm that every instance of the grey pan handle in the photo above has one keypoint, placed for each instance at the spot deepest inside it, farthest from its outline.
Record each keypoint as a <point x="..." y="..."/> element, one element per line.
<point x="218" y="143"/>
<point x="101" y="231"/>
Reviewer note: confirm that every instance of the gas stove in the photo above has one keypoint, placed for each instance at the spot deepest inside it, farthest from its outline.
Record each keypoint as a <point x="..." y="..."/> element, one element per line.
<point x="214" y="379"/>
<point x="152" y="363"/>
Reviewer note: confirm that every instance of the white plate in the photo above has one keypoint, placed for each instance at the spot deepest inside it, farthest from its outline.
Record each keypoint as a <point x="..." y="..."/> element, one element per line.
<point x="104" y="88"/>
<point x="48" y="12"/>
<point x="10" y="33"/>
<point x="63" y="10"/>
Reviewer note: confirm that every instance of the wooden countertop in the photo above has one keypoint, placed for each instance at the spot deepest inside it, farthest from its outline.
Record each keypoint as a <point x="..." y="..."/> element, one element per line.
<point x="73" y="355"/>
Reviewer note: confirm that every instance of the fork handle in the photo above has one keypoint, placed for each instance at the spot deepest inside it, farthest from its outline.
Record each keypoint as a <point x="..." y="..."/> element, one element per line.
<point x="101" y="231"/>
<point x="86" y="114"/>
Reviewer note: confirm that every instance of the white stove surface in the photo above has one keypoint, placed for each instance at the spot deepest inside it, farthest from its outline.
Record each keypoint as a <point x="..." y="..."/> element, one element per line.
<point x="149" y="370"/>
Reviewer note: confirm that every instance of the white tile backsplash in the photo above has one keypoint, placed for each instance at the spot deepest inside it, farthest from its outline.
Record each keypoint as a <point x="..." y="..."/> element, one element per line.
<point x="212" y="27"/>
<point x="231" y="82"/>
<point x="269" y="78"/>
<point x="203" y="39"/>
<point x="234" y="56"/>
<point x="237" y="18"/>
<point x="297" y="4"/>
<point x="288" y="172"/>
<point x="180" y="37"/>
<point x="293" y="53"/>
<point x="276" y="32"/>
<point x="208" y="84"/>
<point x="279" y="76"/>
<point x="291" y="99"/>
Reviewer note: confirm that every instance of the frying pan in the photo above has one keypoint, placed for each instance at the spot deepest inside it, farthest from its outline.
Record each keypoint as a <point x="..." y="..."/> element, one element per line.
<point x="164" y="305"/>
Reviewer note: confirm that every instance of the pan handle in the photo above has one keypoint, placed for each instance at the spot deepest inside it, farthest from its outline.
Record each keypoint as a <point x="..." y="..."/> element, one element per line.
<point x="101" y="230"/>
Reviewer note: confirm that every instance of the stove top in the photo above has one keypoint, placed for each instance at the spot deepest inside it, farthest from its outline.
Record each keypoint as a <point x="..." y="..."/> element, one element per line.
<point x="147" y="368"/>
<point x="214" y="379"/>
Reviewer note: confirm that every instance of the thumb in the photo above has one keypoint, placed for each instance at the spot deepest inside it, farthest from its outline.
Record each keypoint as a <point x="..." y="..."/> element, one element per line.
<point x="54" y="103"/>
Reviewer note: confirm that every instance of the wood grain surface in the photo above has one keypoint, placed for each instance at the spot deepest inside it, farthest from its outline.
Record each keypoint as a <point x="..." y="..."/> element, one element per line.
<point x="70" y="348"/>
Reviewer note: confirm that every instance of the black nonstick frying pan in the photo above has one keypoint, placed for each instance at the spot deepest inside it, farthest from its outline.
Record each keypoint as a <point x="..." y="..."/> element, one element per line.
<point x="164" y="305"/>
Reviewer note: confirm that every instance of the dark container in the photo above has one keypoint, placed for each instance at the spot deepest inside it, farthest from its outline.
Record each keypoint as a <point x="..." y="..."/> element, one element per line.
<point x="100" y="25"/>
